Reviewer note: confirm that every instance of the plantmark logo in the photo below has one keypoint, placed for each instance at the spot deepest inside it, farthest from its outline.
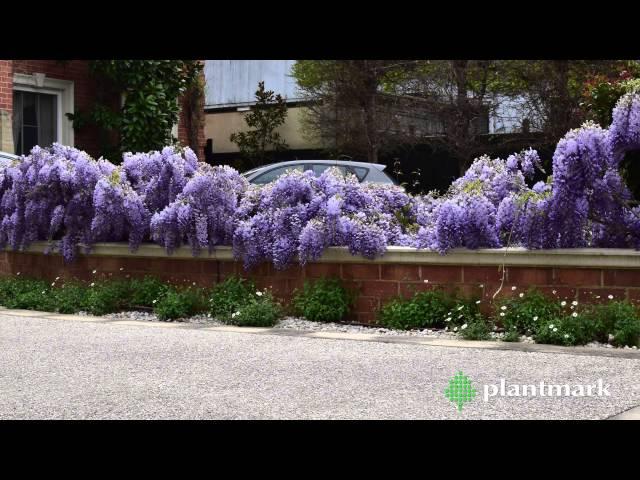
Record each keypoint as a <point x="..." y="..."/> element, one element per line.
<point x="460" y="390"/>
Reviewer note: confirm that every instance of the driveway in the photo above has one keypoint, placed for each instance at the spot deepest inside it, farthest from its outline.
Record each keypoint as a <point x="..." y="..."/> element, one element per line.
<point x="70" y="369"/>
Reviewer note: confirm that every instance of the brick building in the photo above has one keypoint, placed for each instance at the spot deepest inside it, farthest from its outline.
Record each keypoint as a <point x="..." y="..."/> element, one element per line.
<point x="35" y="95"/>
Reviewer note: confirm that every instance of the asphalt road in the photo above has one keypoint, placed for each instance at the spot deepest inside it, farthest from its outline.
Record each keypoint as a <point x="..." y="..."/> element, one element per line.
<point x="58" y="369"/>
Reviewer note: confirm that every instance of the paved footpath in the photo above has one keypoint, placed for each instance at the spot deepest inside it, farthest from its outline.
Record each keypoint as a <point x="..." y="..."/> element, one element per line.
<point x="66" y="367"/>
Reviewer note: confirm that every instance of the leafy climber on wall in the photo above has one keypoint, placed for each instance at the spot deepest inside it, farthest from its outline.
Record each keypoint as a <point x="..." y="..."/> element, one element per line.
<point x="138" y="102"/>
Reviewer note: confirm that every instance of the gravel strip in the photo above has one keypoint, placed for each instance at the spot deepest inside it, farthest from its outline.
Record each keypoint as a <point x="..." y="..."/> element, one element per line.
<point x="79" y="370"/>
<point x="293" y="323"/>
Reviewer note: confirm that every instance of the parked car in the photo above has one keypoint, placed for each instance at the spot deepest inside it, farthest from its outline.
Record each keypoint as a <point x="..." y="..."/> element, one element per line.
<point x="8" y="156"/>
<point x="365" y="172"/>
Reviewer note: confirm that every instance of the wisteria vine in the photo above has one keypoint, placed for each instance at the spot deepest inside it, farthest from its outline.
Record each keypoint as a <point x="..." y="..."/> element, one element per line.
<point x="62" y="195"/>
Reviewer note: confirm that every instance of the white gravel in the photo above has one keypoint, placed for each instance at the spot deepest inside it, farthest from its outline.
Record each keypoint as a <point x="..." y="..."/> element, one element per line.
<point x="57" y="369"/>
<point x="293" y="323"/>
<point x="300" y="324"/>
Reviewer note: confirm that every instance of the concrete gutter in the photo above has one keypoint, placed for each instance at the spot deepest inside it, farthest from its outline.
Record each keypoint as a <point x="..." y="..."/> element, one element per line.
<point x="515" y="256"/>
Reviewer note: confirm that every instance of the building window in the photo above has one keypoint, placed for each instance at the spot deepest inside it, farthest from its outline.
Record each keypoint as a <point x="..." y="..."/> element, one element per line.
<point x="35" y="120"/>
<point x="40" y="105"/>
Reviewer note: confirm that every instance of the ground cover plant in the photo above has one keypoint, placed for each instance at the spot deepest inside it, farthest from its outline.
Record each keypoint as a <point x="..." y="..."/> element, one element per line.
<point x="236" y="301"/>
<point x="324" y="300"/>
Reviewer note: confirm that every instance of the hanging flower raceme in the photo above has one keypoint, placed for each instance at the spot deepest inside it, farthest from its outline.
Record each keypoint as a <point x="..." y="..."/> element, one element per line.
<point x="47" y="195"/>
<point x="159" y="177"/>
<point x="202" y="215"/>
<point x="119" y="212"/>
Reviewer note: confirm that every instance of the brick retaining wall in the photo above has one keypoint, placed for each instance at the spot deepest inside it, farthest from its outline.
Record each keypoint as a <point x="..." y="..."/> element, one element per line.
<point x="401" y="273"/>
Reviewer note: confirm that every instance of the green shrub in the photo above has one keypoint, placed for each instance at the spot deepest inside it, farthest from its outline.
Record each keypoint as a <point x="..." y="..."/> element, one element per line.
<point x="511" y="335"/>
<point x="228" y="296"/>
<point x="26" y="293"/>
<point x="478" y="328"/>
<point x="260" y="310"/>
<point x="180" y="303"/>
<point x="323" y="301"/>
<point x="70" y="297"/>
<point x="527" y="312"/>
<point x="424" y="309"/>
<point x="146" y="291"/>
<point x="619" y="318"/>
<point x="555" y="332"/>
<point x="108" y="296"/>
<point x="463" y="311"/>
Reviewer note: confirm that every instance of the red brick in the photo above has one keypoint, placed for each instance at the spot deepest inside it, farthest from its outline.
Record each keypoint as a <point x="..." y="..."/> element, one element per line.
<point x="292" y="272"/>
<point x="382" y="289"/>
<point x="441" y="273"/>
<point x="481" y="275"/>
<point x="357" y="271"/>
<point x="578" y="277"/>
<point x="400" y="272"/>
<point x="525" y="277"/>
<point x="367" y="304"/>
<point x="590" y="295"/>
<point x="409" y="289"/>
<point x="228" y="268"/>
<point x="561" y="293"/>
<point x="622" y="278"/>
<point x="322" y="270"/>
<point x="295" y="284"/>
<point x="366" y="318"/>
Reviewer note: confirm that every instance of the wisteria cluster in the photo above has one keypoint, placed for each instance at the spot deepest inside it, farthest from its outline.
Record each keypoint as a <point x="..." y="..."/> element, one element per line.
<point x="300" y="214"/>
<point x="62" y="195"/>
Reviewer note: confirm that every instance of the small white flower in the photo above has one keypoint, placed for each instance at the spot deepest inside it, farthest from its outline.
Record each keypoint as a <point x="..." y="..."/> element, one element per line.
<point x="259" y="293"/>
<point x="455" y="329"/>
<point x="553" y="291"/>
<point x="535" y="319"/>
<point x="18" y="273"/>
<point x="555" y="329"/>
<point x="154" y="301"/>
<point x="233" y="315"/>
<point x="521" y="295"/>
<point x="481" y="285"/>
<point x="447" y="319"/>
<point x="477" y="302"/>
<point x="426" y="281"/>
<point x="513" y="288"/>
<point x="43" y="292"/>
<point x="502" y="314"/>
<point x="121" y="268"/>
<point x="92" y="284"/>
<point x="446" y="329"/>
<point x="574" y="314"/>
<point x="563" y="303"/>
<point x="53" y="284"/>
<point x="566" y="335"/>
<point x="597" y="296"/>
<point x="574" y="303"/>
<point x="551" y="326"/>
<point x="463" y="326"/>
<point x="94" y="271"/>
<point x="503" y="307"/>
<point x="610" y="297"/>
<point x="57" y="278"/>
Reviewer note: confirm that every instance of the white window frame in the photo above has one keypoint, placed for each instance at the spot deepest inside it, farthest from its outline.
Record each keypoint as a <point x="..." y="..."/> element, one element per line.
<point x="63" y="90"/>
